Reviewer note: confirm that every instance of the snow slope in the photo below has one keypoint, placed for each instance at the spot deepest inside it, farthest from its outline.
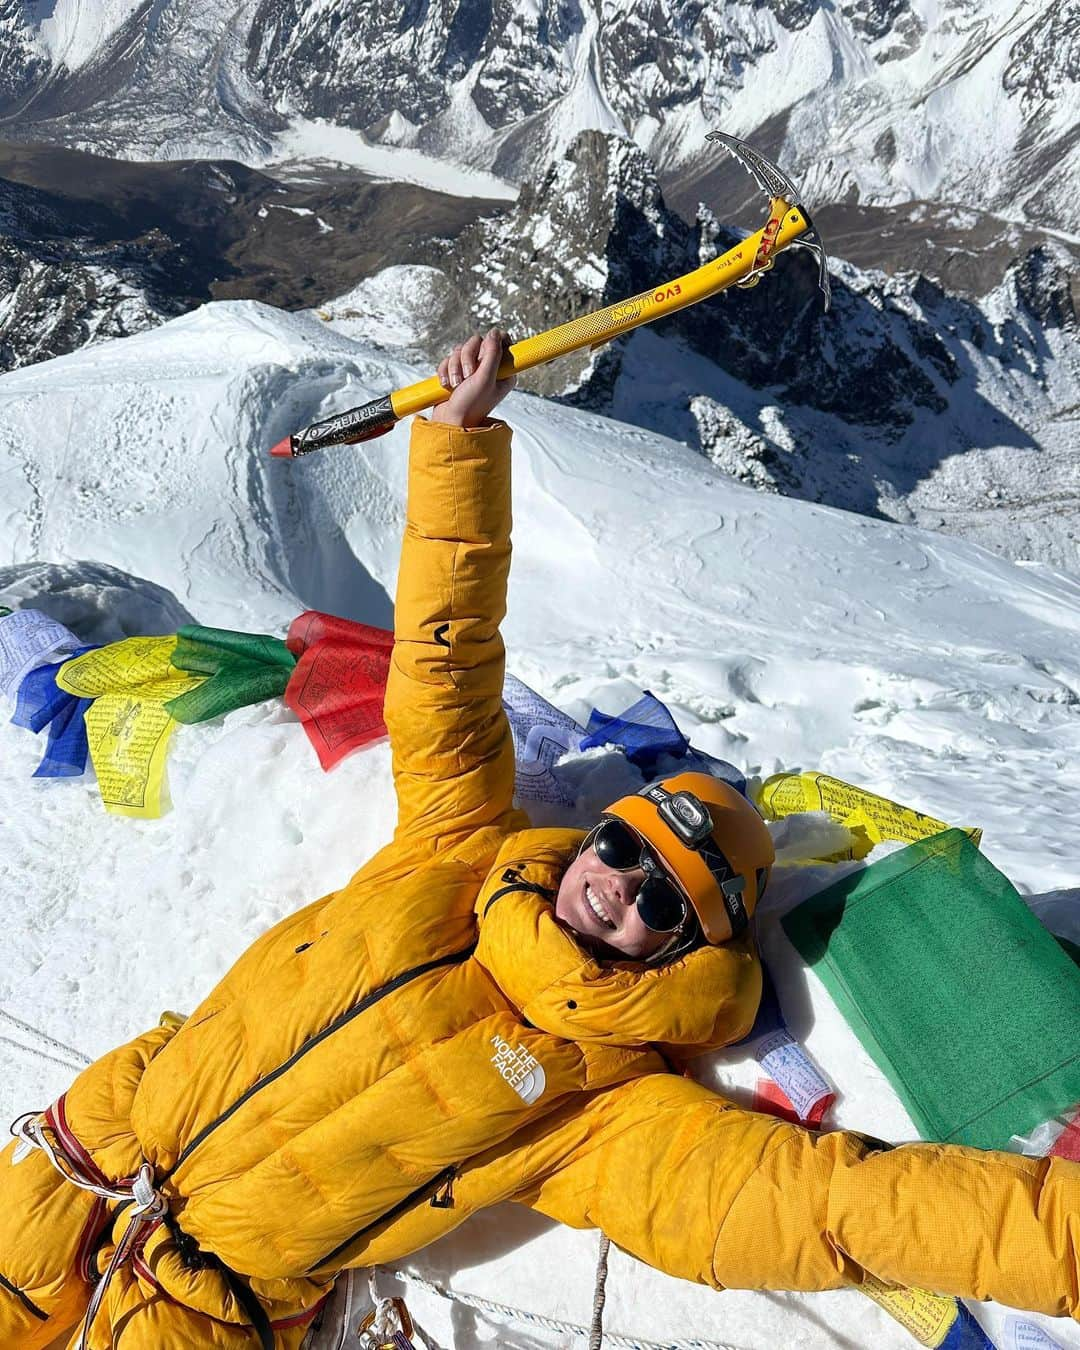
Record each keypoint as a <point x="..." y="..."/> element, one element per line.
<point x="73" y="31"/>
<point x="781" y="634"/>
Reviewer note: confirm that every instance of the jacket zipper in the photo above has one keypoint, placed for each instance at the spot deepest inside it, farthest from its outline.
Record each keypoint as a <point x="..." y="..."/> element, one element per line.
<point x="513" y="877"/>
<point x="439" y="1190"/>
<point x="27" y="1302"/>
<point x="406" y="977"/>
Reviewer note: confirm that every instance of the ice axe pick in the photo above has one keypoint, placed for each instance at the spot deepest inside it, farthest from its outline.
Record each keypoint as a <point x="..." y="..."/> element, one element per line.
<point x="743" y="265"/>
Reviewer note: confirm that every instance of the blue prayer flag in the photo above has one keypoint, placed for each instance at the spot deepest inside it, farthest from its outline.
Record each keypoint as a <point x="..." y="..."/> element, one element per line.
<point x="68" y="746"/>
<point x="42" y="703"/>
<point x="965" y="1333"/>
<point x="651" y="739"/>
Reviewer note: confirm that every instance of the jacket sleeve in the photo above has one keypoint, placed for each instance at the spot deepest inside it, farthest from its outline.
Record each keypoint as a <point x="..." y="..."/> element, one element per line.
<point x="706" y="1191"/>
<point x="453" y="755"/>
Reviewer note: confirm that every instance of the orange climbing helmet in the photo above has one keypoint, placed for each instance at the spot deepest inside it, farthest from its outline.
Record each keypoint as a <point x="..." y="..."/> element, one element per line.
<point x="711" y="840"/>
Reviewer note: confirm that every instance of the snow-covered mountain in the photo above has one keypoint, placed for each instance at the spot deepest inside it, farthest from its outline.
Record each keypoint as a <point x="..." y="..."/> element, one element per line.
<point x="782" y="634"/>
<point x="971" y="102"/>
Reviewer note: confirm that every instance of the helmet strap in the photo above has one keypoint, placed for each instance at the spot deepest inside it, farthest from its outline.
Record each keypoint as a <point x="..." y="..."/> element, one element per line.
<point x="688" y="818"/>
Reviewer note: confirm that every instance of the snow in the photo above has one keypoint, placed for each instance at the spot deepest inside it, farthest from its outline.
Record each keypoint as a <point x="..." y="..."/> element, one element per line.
<point x="74" y="31"/>
<point x="399" y="130"/>
<point x="782" y="635"/>
<point x="941" y="103"/>
<point x="388" y="308"/>
<point x="585" y="106"/>
<point x="309" y="141"/>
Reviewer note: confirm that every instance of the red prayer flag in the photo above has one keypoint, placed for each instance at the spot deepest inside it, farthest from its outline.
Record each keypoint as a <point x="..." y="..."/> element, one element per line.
<point x="339" y="684"/>
<point x="1067" y="1144"/>
<point x="771" y="1099"/>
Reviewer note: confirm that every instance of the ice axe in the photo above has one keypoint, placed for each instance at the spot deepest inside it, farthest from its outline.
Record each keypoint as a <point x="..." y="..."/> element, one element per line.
<point x="788" y="223"/>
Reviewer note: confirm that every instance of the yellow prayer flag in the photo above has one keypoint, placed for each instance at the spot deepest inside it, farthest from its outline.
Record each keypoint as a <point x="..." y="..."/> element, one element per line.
<point x="870" y="818"/>
<point x="928" y="1317"/>
<point x="128" y="739"/>
<point x="137" y="665"/>
<point x="126" y="725"/>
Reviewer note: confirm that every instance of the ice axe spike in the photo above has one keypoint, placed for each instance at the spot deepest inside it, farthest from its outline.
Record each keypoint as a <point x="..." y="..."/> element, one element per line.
<point x="741" y="265"/>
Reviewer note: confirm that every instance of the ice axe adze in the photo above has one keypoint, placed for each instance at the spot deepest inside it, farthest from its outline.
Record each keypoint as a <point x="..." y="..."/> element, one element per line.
<point x="743" y="265"/>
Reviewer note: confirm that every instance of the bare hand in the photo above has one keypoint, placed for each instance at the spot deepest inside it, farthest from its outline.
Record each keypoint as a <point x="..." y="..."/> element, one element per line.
<point x="470" y="371"/>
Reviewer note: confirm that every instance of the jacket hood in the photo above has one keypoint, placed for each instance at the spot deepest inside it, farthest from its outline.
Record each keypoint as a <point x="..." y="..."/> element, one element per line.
<point x="698" y="1002"/>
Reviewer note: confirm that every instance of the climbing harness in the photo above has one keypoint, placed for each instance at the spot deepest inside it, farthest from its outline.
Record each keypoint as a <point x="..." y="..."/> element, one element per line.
<point x="146" y="1205"/>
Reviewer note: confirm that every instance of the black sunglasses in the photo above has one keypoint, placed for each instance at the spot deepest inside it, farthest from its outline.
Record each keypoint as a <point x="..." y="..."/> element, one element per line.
<point x="661" y="906"/>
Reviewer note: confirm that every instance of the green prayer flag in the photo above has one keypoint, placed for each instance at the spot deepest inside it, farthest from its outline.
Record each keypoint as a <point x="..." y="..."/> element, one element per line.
<point x="962" y="998"/>
<point x="243" y="668"/>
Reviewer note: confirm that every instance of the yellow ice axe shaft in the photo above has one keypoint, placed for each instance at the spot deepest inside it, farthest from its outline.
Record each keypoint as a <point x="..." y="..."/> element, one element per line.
<point x="740" y="265"/>
<point x="785" y="222"/>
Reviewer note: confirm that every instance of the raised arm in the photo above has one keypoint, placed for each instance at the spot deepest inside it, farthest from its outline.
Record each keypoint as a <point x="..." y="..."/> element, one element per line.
<point x="452" y="751"/>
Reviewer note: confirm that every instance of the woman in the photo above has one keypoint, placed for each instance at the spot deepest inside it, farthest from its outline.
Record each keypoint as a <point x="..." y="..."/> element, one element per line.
<point x="484" y="1012"/>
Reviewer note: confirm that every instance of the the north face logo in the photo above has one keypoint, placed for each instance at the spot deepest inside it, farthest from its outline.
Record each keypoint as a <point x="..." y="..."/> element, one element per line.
<point x="522" y="1071"/>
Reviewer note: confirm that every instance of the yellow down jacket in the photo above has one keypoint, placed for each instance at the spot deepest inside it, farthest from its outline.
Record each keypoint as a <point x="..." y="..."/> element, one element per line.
<point x="428" y="1041"/>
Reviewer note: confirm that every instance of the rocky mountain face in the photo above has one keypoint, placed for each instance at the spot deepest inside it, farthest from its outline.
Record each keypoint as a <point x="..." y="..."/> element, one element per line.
<point x="67" y="280"/>
<point x="93" y="248"/>
<point x="593" y="229"/>
<point x="138" y="79"/>
<point x="876" y="102"/>
<point x="23" y="65"/>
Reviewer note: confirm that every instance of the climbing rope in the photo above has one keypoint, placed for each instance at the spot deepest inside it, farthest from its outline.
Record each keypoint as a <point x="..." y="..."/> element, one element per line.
<point x="76" y="1059"/>
<point x="596" y="1331"/>
<point x="149" y="1205"/>
<point x="39" y="1054"/>
<point x="388" y="1326"/>
<point x="524" y="1318"/>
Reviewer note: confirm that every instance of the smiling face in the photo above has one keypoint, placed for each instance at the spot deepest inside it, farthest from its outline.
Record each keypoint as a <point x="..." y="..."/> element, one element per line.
<point x="597" y="903"/>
